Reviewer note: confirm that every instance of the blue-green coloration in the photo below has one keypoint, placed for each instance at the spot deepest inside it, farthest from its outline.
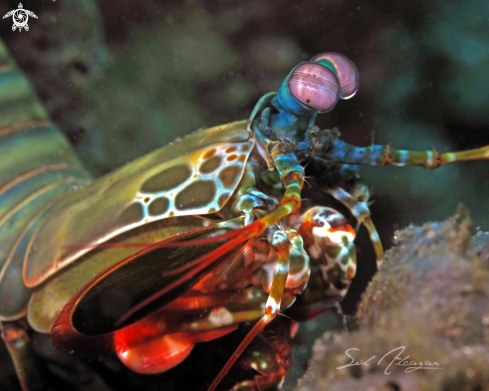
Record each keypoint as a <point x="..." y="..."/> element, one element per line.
<point x="54" y="215"/>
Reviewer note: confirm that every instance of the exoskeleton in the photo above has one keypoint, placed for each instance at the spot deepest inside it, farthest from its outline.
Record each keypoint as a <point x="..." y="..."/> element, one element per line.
<point x="185" y="244"/>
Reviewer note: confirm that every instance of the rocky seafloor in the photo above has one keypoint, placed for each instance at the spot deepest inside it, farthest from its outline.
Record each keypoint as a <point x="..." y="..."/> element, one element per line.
<point x="430" y="297"/>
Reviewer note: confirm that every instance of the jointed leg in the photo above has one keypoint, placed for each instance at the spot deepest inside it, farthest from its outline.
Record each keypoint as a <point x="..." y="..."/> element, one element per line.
<point x="326" y="145"/>
<point x="18" y="344"/>
<point x="292" y="175"/>
<point x="360" y="210"/>
<point x="282" y="245"/>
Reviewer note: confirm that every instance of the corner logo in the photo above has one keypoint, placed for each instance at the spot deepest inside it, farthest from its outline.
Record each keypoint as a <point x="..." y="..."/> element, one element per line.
<point x="20" y="16"/>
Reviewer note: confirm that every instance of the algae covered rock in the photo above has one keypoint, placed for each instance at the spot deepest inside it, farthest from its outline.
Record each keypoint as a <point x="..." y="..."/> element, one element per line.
<point x="423" y="321"/>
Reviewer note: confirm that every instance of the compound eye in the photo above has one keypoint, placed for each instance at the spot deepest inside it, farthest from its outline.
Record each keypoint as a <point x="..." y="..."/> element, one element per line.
<point x="346" y="70"/>
<point x="315" y="86"/>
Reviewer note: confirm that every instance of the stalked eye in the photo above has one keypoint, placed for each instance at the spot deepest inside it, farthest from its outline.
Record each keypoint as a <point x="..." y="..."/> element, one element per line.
<point x="347" y="72"/>
<point x="315" y="86"/>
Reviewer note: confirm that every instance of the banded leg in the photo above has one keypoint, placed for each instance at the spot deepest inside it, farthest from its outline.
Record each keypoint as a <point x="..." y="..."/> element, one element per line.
<point x="292" y="175"/>
<point x="360" y="210"/>
<point x="282" y="245"/>
<point x="14" y="334"/>
<point x="326" y="145"/>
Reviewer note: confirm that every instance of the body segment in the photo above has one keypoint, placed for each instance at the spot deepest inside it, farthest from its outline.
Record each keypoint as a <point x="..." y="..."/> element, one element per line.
<point x="189" y="242"/>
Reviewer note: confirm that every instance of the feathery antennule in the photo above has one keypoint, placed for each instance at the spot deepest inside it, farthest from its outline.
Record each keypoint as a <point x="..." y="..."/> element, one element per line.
<point x="218" y="252"/>
<point x="196" y="267"/>
<point x="191" y="269"/>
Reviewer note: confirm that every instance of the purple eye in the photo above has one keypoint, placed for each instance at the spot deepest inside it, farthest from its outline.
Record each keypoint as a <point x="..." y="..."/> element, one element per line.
<point x="346" y="70"/>
<point x="315" y="86"/>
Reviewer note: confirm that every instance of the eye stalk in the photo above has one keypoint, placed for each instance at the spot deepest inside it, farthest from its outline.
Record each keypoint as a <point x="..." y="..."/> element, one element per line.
<point x="345" y="70"/>
<point x="315" y="86"/>
<point x="310" y="88"/>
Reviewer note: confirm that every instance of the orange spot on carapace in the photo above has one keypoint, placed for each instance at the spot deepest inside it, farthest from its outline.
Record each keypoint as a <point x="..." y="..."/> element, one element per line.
<point x="232" y="157"/>
<point x="209" y="153"/>
<point x="231" y="149"/>
<point x="244" y="147"/>
<point x="241" y="158"/>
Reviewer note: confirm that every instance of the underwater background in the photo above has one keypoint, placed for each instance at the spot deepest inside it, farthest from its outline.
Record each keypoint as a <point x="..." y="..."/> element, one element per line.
<point x="123" y="77"/>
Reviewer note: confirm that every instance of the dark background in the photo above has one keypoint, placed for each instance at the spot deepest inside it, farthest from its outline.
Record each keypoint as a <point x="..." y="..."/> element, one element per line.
<point x="123" y="77"/>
